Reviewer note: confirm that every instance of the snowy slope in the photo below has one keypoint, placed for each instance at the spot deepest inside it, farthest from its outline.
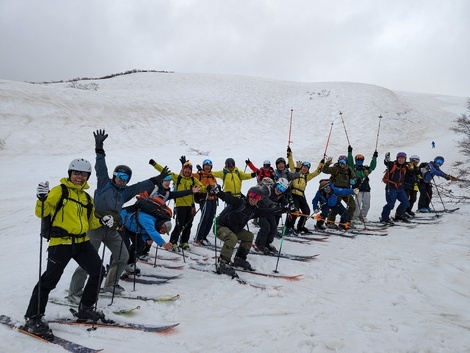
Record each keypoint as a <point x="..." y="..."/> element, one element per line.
<point x="407" y="292"/>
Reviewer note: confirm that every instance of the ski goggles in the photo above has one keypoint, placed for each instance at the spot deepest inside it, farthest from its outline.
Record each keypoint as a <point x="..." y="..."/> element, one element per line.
<point x="439" y="162"/>
<point x="342" y="161"/>
<point x="78" y="172"/>
<point x="281" y="188"/>
<point x="167" y="178"/>
<point x="307" y="164"/>
<point x="401" y="155"/>
<point x="122" y="176"/>
<point x="254" y="196"/>
<point x="207" y="161"/>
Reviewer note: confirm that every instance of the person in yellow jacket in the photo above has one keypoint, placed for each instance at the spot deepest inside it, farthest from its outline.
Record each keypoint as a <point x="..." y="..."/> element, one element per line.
<point x="232" y="178"/>
<point x="297" y="187"/>
<point x="68" y="240"/>
<point x="184" y="206"/>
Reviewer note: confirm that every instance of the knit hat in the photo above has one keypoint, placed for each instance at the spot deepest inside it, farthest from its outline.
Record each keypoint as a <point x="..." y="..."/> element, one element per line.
<point x="163" y="224"/>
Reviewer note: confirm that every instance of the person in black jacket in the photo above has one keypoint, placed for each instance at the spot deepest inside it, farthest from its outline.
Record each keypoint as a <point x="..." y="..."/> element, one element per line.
<point x="230" y="226"/>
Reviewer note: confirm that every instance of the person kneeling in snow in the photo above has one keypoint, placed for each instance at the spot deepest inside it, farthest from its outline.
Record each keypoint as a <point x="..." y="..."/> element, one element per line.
<point x="327" y="199"/>
<point x="230" y="226"/>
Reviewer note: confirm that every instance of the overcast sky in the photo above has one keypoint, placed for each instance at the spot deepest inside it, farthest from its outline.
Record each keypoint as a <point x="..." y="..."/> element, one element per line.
<point x="408" y="45"/>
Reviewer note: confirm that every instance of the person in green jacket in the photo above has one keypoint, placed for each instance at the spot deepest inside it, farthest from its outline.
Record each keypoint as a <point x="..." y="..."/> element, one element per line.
<point x="232" y="178"/>
<point x="362" y="182"/>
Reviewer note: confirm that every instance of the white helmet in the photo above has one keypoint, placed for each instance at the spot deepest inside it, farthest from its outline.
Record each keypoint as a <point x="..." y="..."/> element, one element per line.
<point x="80" y="165"/>
<point x="283" y="183"/>
<point x="267" y="181"/>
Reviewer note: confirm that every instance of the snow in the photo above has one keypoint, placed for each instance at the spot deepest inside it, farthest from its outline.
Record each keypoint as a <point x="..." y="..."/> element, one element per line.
<point x="406" y="292"/>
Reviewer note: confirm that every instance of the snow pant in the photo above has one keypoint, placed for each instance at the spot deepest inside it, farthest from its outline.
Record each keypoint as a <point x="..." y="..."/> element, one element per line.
<point x="267" y="231"/>
<point x="134" y="243"/>
<point x="184" y="222"/>
<point x="362" y="205"/>
<point x="230" y="239"/>
<point x="425" y="194"/>
<point x="412" y="197"/>
<point x="59" y="256"/>
<point x="339" y="209"/>
<point x="208" y="209"/>
<point x="350" y="202"/>
<point x="391" y="196"/>
<point x="113" y="241"/>
<point x="300" y="203"/>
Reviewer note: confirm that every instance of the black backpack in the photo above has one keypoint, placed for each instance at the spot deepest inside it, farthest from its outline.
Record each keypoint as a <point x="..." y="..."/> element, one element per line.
<point x="154" y="206"/>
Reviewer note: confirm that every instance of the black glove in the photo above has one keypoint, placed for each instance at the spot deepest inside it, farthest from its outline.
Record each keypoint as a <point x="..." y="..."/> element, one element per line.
<point x="349" y="148"/>
<point x="376" y="154"/>
<point x="100" y="136"/>
<point x="199" y="168"/>
<point x="288" y="149"/>
<point x="163" y="174"/>
<point x="322" y="161"/>
<point x="253" y="174"/>
<point x="247" y="161"/>
<point x="152" y="162"/>
<point x="215" y="189"/>
<point x="183" y="160"/>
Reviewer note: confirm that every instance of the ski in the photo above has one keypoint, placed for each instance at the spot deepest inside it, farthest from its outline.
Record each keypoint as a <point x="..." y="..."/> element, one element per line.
<point x="112" y="324"/>
<point x="66" y="302"/>
<point x="409" y="225"/>
<point x="151" y="275"/>
<point x="258" y="273"/>
<point x="211" y="269"/>
<point x="126" y="311"/>
<point x="171" y="267"/>
<point x="144" y="280"/>
<point x="143" y="298"/>
<point x="299" y="240"/>
<point x="64" y="343"/>
<point x="341" y="233"/>
<point x="446" y="210"/>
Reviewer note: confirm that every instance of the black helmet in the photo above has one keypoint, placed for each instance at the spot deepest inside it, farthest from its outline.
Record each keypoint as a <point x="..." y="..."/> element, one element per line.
<point x="123" y="169"/>
<point x="255" y="190"/>
<point x="280" y="160"/>
<point x="230" y="161"/>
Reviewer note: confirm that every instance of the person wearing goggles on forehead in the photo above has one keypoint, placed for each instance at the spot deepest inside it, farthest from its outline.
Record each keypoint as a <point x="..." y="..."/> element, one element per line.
<point x="232" y="178"/>
<point x="276" y="195"/>
<point x="342" y="176"/>
<point x="298" y="185"/>
<point x="284" y="170"/>
<point x="327" y="199"/>
<point x="110" y="195"/>
<point x="266" y="171"/>
<point x="394" y="179"/>
<point x="411" y="184"/>
<point x="362" y="172"/>
<point x="428" y="172"/>
<point x="68" y="240"/>
<point x="230" y="226"/>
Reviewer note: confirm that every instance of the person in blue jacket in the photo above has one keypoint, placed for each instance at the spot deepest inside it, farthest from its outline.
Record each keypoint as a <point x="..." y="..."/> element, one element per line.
<point x="147" y="227"/>
<point x="428" y="171"/>
<point x="327" y="199"/>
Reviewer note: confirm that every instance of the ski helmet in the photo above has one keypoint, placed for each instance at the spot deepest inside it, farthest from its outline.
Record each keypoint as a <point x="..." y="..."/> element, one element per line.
<point x="123" y="172"/>
<point x="307" y="164"/>
<point x="401" y="155"/>
<point x="167" y="178"/>
<point x="282" y="184"/>
<point x="280" y="160"/>
<point x="359" y="157"/>
<point x="342" y="159"/>
<point x="230" y="162"/>
<point x="207" y="161"/>
<point x="415" y="157"/>
<point x="255" y="193"/>
<point x="439" y="160"/>
<point x="266" y="163"/>
<point x="80" y="165"/>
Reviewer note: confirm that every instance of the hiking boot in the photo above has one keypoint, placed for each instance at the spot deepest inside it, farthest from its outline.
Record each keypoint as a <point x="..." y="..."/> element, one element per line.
<point x="343" y="226"/>
<point x="411" y="213"/>
<point x="184" y="246"/>
<point x="144" y="257"/>
<point x="205" y="242"/>
<point x="88" y="313"/>
<point x="387" y="222"/>
<point x="331" y="225"/>
<point x="303" y="230"/>
<point x="239" y="262"/>
<point x="290" y="231"/>
<point x="320" y="225"/>
<point x="73" y="299"/>
<point x="402" y="218"/>
<point x="117" y="289"/>
<point x="174" y="248"/>
<point x="423" y="210"/>
<point x="38" y="327"/>
<point x="224" y="267"/>
<point x="132" y="269"/>
<point x="271" y="248"/>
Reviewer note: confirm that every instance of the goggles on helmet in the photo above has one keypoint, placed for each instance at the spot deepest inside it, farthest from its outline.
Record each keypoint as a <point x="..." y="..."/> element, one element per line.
<point x="439" y="162"/>
<point x="207" y="161"/>
<point x="281" y="188"/>
<point x="122" y="176"/>
<point x="254" y="196"/>
<point x="307" y="164"/>
<point x="401" y="155"/>
<point x="359" y="157"/>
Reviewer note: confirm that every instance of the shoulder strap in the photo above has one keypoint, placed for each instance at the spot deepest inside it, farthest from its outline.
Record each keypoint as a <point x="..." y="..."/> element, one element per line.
<point x="63" y="196"/>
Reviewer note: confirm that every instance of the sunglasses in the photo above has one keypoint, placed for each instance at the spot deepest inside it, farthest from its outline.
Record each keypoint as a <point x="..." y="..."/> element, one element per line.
<point x="254" y="196"/>
<point x="281" y="188"/>
<point x="122" y="176"/>
<point x="327" y="187"/>
<point x="77" y="172"/>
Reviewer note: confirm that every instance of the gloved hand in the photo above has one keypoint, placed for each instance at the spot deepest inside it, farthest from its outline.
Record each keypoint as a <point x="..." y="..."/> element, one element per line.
<point x="316" y="210"/>
<point x="247" y="161"/>
<point x="352" y="181"/>
<point x="376" y="154"/>
<point x="107" y="221"/>
<point x="42" y="190"/>
<point x="425" y="169"/>
<point x="159" y="178"/>
<point x="152" y="162"/>
<point x="215" y="188"/>
<point x="356" y="191"/>
<point x="289" y="150"/>
<point x="349" y="148"/>
<point x="387" y="157"/>
<point x="199" y="168"/>
<point x="100" y="136"/>
<point x="452" y="178"/>
<point x="183" y="160"/>
<point x="253" y="174"/>
<point x="328" y="160"/>
<point x="298" y="164"/>
<point x="322" y="161"/>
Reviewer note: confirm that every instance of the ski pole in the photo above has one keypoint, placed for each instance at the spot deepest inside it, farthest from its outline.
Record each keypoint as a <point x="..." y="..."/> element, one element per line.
<point x="280" y="246"/>
<point x="95" y="308"/>
<point x="344" y="126"/>
<point x="378" y="130"/>
<point x="214" y="230"/>
<point x="290" y="128"/>
<point x="439" y="194"/>
<point x="43" y="199"/>
<point x="117" y="273"/>
<point x="328" y="140"/>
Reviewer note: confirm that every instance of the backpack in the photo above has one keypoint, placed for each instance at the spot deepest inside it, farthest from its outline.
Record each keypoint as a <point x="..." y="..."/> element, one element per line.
<point x="152" y="205"/>
<point x="47" y="221"/>
<point x="387" y="173"/>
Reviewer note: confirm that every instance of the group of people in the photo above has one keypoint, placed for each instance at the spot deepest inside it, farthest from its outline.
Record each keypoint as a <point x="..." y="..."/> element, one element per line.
<point x="128" y="233"/>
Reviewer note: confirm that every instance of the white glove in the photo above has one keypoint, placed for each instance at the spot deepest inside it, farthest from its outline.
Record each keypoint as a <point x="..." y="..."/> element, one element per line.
<point x="107" y="221"/>
<point x="42" y="190"/>
<point x="356" y="191"/>
<point x="328" y="160"/>
<point x="387" y="157"/>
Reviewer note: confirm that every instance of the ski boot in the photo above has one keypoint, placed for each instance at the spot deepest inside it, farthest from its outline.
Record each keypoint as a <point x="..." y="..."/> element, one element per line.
<point x="38" y="327"/>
